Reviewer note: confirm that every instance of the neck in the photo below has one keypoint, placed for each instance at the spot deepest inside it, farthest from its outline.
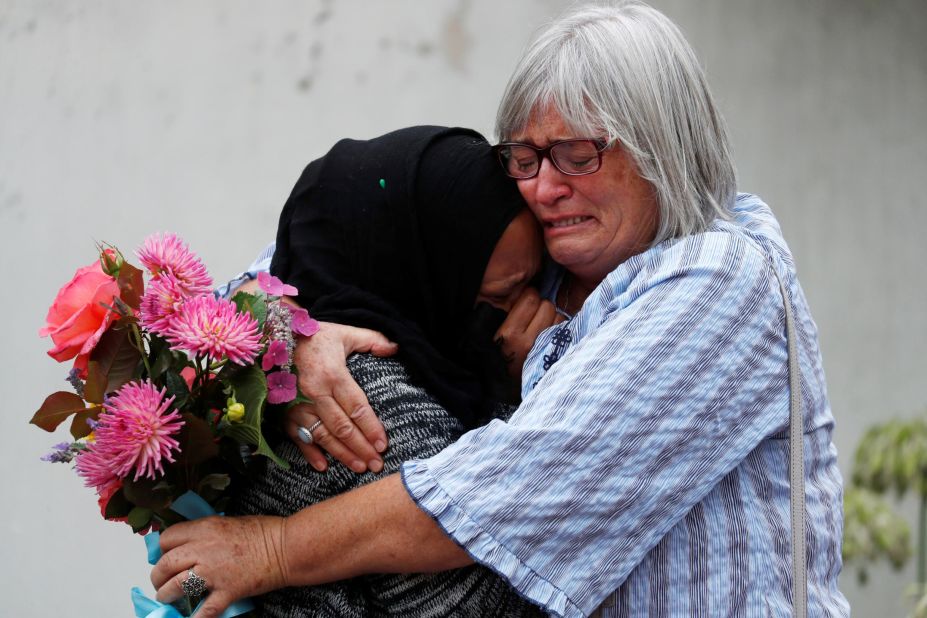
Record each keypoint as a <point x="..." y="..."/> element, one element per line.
<point x="573" y="292"/>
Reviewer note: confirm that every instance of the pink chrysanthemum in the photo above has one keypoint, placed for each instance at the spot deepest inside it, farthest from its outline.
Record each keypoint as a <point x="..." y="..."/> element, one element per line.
<point x="134" y="433"/>
<point x="160" y="304"/>
<point x="166" y="253"/>
<point x="207" y="325"/>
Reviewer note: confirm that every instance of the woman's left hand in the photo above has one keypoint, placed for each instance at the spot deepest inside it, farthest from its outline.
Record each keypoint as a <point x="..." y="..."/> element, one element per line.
<point x="237" y="556"/>
<point x="528" y="317"/>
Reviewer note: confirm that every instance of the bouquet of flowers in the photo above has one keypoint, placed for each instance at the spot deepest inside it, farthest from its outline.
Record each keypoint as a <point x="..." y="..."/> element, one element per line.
<point x="170" y="384"/>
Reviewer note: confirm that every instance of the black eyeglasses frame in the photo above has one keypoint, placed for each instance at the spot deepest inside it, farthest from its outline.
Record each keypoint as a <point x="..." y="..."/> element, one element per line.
<point x="600" y="146"/>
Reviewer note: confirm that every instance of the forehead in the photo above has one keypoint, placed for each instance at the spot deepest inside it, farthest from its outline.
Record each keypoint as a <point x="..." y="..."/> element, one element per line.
<point x="546" y="125"/>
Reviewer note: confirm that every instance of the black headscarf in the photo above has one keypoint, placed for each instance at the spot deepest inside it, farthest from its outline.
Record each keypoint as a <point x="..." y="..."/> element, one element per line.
<point x="394" y="234"/>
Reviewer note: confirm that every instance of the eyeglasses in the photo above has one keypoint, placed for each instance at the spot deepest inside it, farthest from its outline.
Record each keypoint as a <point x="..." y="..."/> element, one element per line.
<point x="573" y="157"/>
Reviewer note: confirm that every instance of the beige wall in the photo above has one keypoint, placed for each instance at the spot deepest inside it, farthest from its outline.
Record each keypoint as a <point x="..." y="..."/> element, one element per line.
<point x="119" y="118"/>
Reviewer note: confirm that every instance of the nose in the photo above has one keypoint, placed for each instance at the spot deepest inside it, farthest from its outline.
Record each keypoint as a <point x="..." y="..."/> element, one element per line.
<point x="550" y="184"/>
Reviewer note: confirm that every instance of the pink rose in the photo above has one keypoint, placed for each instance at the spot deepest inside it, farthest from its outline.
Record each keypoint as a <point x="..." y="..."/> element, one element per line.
<point x="77" y="319"/>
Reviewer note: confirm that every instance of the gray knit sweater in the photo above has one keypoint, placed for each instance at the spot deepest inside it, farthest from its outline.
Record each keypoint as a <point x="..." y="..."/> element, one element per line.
<point x="417" y="427"/>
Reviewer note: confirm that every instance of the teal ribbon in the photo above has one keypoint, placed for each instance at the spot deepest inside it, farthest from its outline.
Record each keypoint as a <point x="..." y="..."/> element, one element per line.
<point x="191" y="506"/>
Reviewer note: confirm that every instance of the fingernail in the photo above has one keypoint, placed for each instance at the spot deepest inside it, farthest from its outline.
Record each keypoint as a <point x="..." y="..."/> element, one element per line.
<point x="358" y="466"/>
<point x="375" y="465"/>
<point x="380" y="446"/>
<point x="319" y="467"/>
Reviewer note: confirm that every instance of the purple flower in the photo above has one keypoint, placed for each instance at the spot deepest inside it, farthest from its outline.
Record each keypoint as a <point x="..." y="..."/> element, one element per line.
<point x="63" y="452"/>
<point x="76" y="383"/>
<point x="281" y="387"/>
<point x="276" y="355"/>
<point x="301" y="322"/>
<point x="274" y="286"/>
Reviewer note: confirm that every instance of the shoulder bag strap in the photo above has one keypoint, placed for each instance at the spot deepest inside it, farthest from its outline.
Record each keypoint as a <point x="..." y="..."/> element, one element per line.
<point x="796" y="464"/>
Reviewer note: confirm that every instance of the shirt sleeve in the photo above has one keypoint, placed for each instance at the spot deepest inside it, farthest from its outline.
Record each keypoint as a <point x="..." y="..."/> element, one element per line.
<point x="260" y="264"/>
<point x="681" y="377"/>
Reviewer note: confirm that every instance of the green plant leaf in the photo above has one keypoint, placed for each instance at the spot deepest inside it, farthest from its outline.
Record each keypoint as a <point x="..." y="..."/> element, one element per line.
<point x="873" y="531"/>
<point x="56" y="408"/>
<point x="177" y="388"/>
<point x="149" y="493"/>
<point x="117" y="506"/>
<point x="254" y="304"/>
<point x="139" y="518"/>
<point x="113" y="362"/>
<point x="250" y="388"/>
<point x="161" y="356"/>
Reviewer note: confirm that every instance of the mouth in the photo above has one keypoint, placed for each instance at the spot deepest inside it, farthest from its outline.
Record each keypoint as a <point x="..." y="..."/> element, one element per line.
<point x="562" y="223"/>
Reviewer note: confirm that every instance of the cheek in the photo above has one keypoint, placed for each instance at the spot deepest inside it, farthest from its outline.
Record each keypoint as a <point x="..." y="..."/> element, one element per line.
<point x="527" y="189"/>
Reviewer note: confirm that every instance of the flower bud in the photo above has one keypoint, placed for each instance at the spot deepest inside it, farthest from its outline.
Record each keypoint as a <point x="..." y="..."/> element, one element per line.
<point x="111" y="260"/>
<point x="235" y="413"/>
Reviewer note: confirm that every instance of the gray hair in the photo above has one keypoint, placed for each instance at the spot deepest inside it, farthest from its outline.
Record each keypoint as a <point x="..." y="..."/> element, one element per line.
<point x="627" y="73"/>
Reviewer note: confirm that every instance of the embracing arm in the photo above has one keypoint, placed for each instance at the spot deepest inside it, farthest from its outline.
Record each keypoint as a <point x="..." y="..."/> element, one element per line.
<point x="376" y="528"/>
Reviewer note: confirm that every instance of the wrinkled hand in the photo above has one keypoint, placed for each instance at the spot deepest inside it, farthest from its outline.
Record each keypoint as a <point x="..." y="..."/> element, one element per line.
<point x="528" y="317"/>
<point x="237" y="556"/>
<point x="350" y="430"/>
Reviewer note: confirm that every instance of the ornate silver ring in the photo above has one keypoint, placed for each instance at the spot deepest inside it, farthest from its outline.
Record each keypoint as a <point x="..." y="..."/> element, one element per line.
<point x="193" y="586"/>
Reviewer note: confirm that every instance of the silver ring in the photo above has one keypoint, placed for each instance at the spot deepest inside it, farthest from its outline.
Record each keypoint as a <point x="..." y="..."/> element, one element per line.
<point x="193" y="586"/>
<point x="305" y="434"/>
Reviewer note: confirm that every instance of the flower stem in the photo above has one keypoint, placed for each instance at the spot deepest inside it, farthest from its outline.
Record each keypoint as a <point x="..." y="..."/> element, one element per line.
<point x="140" y="344"/>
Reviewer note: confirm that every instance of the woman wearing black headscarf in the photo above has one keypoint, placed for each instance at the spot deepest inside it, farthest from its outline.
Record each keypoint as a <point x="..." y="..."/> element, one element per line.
<point x="395" y="234"/>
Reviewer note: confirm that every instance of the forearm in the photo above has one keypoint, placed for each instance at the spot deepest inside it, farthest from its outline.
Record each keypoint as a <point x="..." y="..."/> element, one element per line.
<point x="374" y="529"/>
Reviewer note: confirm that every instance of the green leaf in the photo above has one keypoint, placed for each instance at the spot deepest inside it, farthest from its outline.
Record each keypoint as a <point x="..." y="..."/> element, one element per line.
<point x="149" y="493"/>
<point x="162" y="358"/>
<point x="131" y="285"/>
<point x="254" y="304"/>
<point x="117" y="506"/>
<point x="197" y="441"/>
<point x="79" y="426"/>
<point x="56" y="408"/>
<point x="177" y="388"/>
<point x="250" y="388"/>
<point x="215" y="481"/>
<point x="113" y="362"/>
<point x="139" y="518"/>
<point x="212" y="486"/>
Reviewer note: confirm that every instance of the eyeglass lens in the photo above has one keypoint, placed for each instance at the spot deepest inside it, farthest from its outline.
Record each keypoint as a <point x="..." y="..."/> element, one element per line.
<point x="575" y="157"/>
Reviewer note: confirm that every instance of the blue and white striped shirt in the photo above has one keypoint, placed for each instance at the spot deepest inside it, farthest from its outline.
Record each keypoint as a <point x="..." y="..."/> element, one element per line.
<point x="648" y="466"/>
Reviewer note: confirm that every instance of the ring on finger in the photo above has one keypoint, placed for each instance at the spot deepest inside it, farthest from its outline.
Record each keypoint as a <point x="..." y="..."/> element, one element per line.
<point x="305" y="433"/>
<point x="193" y="585"/>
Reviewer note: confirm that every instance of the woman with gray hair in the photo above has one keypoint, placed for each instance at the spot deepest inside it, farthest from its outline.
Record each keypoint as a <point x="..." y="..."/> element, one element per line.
<point x="647" y="470"/>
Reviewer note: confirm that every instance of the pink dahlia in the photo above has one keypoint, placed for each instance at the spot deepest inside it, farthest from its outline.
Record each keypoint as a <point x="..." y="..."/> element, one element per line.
<point x="166" y="253"/>
<point x="94" y="466"/>
<point x="160" y="304"/>
<point x="208" y="325"/>
<point x="134" y="433"/>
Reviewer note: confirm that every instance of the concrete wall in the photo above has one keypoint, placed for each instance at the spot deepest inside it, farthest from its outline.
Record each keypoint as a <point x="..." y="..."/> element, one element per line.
<point x="122" y="118"/>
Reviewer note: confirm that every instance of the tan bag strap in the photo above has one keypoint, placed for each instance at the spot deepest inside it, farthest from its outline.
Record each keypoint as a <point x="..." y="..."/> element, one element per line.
<point x="796" y="470"/>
